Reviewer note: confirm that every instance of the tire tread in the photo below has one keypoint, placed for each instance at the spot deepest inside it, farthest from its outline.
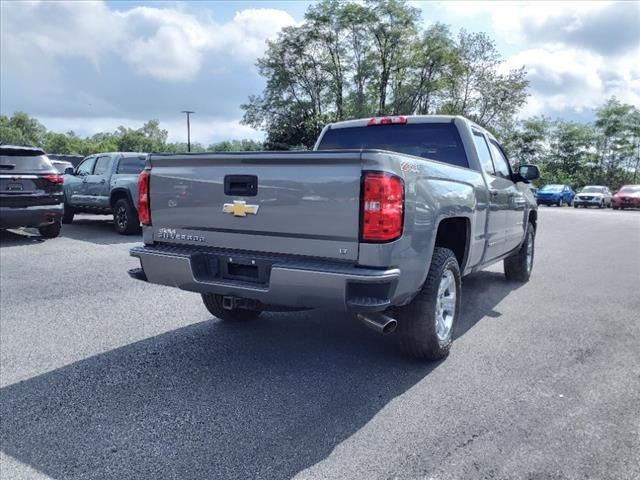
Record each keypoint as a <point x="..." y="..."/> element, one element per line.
<point x="515" y="266"/>
<point x="416" y="321"/>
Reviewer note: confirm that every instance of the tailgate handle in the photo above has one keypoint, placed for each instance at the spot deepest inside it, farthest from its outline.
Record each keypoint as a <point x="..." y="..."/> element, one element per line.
<point x="241" y="185"/>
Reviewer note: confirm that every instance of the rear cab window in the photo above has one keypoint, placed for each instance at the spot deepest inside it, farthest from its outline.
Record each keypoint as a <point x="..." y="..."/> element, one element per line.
<point x="435" y="141"/>
<point x="131" y="165"/>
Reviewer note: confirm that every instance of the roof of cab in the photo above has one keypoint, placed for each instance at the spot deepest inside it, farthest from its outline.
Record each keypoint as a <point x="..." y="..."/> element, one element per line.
<point x="362" y="122"/>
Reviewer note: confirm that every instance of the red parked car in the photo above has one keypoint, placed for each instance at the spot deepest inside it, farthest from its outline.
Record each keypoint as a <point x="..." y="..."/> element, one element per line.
<point x="627" y="197"/>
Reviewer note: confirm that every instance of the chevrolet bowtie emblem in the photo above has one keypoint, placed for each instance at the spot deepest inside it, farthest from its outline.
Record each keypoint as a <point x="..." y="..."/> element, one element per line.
<point x="239" y="208"/>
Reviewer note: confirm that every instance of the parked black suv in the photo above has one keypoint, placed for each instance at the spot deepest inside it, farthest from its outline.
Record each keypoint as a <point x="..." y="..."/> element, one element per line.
<point x="30" y="190"/>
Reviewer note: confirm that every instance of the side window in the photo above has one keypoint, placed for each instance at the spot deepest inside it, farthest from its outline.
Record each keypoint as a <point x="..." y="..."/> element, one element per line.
<point x="500" y="161"/>
<point x="483" y="153"/>
<point x="102" y="165"/>
<point x="86" y="167"/>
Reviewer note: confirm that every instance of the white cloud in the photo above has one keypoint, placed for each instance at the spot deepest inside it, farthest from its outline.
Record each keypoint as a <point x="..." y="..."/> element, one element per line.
<point x="162" y="43"/>
<point x="571" y="79"/>
<point x="508" y="19"/>
<point x="576" y="54"/>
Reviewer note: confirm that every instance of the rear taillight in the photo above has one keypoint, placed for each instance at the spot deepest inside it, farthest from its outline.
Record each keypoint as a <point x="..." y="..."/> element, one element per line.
<point x="55" y="178"/>
<point x="143" y="198"/>
<point x="382" y="207"/>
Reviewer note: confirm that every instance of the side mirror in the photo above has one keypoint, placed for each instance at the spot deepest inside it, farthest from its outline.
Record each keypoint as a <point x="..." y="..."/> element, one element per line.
<point x="68" y="171"/>
<point x="528" y="172"/>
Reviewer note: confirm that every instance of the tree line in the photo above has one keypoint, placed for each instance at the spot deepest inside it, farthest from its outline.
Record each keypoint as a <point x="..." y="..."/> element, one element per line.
<point x="20" y="128"/>
<point x="603" y="152"/>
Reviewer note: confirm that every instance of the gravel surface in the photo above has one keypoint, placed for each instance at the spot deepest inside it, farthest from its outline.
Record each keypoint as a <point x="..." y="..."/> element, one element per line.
<point x="104" y="377"/>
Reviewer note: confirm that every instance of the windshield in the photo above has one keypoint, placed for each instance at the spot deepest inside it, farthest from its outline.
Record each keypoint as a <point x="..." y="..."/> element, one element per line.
<point x="437" y="141"/>
<point x="551" y="188"/>
<point x="630" y="189"/>
<point x="593" y="190"/>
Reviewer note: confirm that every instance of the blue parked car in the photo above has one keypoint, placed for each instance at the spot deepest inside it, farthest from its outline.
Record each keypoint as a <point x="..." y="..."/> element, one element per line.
<point x="555" y="195"/>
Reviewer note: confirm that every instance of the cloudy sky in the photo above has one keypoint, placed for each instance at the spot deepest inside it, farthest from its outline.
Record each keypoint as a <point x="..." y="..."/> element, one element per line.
<point x="91" y="66"/>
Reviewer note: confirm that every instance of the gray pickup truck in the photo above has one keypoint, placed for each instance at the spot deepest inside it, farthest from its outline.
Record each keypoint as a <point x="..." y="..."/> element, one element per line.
<point x="105" y="183"/>
<point x="382" y="219"/>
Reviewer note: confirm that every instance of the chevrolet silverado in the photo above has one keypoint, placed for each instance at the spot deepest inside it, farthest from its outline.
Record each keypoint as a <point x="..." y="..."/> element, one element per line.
<point x="381" y="219"/>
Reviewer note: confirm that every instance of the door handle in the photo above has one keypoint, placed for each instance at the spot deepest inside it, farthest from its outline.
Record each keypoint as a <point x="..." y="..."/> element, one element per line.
<point x="493" y="192"/>
<point x="103" y="181"/>
<point x="241" y="185"/>
<point x="84" y="180"/>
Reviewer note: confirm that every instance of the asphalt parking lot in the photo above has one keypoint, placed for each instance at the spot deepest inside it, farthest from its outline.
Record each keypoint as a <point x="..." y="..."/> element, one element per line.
<point x="108" y="378"/>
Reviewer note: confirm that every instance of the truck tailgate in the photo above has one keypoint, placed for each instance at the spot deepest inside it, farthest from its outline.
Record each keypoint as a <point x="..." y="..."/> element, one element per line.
<point x="302" y="203"/>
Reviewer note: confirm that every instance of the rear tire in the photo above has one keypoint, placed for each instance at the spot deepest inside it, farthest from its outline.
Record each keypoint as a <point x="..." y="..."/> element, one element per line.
<point x="427" y="324"/>
<point x="213" y="303"/>
<point x="615" y="208"/>
<point x="52" y="230"/>
<point x="518" y="267"/>
<point x="125" y="218"/>
<point x="68" y="213"/>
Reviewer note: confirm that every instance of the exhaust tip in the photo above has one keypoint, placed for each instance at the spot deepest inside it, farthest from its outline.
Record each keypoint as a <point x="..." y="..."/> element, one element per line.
<point x="390" y="327"/>
<point x="379" y="322"/>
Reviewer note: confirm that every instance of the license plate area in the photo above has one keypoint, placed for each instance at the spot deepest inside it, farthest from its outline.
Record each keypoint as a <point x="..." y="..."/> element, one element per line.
<point x="15" y="187"/>
<point x="246" y="269"/>
<point x="233" y="268"/>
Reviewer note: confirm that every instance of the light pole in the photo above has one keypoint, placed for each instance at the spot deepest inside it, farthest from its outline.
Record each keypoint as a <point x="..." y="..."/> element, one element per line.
<point x="188" y="112"/>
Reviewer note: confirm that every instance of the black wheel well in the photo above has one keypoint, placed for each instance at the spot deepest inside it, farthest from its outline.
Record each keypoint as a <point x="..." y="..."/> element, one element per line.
<point x="533" y="218"/>
<point x="453" y="233"/>
<point x="117" y="195"/>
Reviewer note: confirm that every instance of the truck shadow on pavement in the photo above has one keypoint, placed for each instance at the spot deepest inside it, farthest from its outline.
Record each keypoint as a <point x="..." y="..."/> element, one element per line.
<point x="96" y="229"/>
<point x="481" y="292"/>
<point x="265" y="399"/>
<point x="19" y="237"/>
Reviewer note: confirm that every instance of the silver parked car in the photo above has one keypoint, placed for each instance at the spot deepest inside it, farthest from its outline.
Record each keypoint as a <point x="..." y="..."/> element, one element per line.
<point x="593" y="196"/>
<point x="61" y="165"/>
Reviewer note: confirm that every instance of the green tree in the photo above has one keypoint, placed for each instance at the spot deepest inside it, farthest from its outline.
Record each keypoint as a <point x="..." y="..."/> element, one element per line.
<point x="616" y="124"/>
<point x="9" y="133"/>
<point x="59" y="143"/>
<point x="236" y="146"/>
<point x="394" y="28"/>
<point x="21" y="128"/>
<point x="361" y="59"/>
<point x="476" y="89"/>
<point x="527" y="141"/>
<point x="572" y="158"/>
